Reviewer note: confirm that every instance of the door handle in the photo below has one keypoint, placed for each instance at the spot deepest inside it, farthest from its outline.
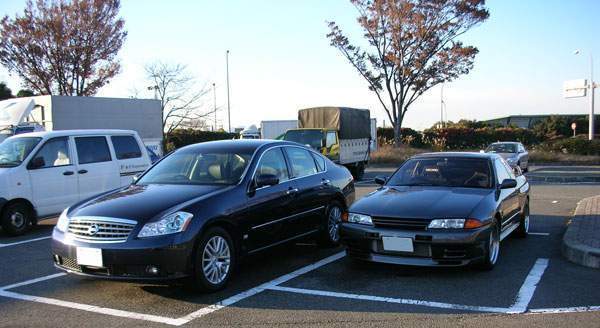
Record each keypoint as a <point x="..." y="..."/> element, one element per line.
<point x="68" y="173"/>
<point x="82" y="171"/>
<point x="292" y="191"/>
<point x="325" y="182"/>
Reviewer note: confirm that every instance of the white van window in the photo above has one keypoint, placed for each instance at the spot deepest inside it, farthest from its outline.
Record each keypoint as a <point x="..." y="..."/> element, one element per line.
<point x="126" y="147"/>
<point x="92" y="150"/>
<point x="55" y="152"/>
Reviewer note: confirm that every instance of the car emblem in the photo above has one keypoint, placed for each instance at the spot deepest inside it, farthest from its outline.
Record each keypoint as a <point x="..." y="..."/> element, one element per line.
<point x="93" y="229"/>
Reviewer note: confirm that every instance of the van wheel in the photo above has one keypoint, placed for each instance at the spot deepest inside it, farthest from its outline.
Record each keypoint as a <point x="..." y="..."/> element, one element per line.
<point x="16" y="218"/>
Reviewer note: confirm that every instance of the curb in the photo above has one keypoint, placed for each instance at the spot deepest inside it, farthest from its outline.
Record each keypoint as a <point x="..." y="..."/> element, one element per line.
<point x="545" y="178"/>
<point x="571" y="247"/>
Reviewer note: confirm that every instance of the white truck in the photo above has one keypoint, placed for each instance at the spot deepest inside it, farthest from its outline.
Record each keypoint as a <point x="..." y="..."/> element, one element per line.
<point x="275" y="129"/>
<point x="53" y="113"/>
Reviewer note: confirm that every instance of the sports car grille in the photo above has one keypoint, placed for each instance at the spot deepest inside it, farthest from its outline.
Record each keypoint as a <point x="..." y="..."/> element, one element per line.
<point x="401" y="223"/>
<point x="100" y="230"/>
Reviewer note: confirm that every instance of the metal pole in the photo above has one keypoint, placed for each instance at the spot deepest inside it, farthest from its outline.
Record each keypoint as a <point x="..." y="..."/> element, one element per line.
<point x="442" y="106"/>
<point x="228" y="107"/>
<point x="215" y="101"/>
<point x="592" y="87"/>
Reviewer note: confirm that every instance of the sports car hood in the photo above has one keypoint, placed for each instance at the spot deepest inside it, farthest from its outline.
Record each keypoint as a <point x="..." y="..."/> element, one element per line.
<point x="143" y="202"/>
<point x="507" y="155"/>
<point x="421" y="202"/>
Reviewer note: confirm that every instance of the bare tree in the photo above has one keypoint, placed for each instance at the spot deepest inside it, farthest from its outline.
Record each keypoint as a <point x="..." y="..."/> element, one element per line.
<point x="414" y="48"/>
<point x="65" y="47"/>
<point x="180" y="98"/>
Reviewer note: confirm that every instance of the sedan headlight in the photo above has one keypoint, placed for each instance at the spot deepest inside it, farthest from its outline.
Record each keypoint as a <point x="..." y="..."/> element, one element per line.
<point x="172" y="223"/>
<point x="359" y="218"/>
<point x="63" y="221"/>
<point x="454" y="224"/>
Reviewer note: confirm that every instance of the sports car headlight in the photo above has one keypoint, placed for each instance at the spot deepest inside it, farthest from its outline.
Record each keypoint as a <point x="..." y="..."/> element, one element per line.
<point x="359" y="218"/>
<point x="63" y="221"/>
<point x="172" y="223"/>
<point x="454" y="224"/>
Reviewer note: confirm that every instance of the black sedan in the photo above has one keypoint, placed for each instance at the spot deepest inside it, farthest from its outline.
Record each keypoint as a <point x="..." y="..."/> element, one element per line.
<point x="440" y="209"/>
<point x="202" y="207"/>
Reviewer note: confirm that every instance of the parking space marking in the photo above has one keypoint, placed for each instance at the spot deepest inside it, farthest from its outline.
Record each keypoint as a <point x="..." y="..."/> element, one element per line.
<point x="539" y="233"/>
<point x="529" y="286"/>
<point x="25" y="241"/>
<point x="32" y="281"/>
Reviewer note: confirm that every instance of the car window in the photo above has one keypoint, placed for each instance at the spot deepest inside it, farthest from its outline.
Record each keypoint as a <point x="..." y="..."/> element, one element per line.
<point x="302" y="162"/>
<point x="14" y="151"/>
<point x="331" y="139"/>
<point x="55" y="152"/>
<point x="509" y="169"/>
<point x="447" y="172"/>
<point x="273" y="162"/>
<point x="126" y="147"/>
<point x="320" y="162"/>
<point x="92" y="150"/>
<point x="501" y="171"/>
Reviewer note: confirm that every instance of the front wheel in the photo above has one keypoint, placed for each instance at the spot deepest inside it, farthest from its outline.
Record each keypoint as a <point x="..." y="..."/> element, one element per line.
<point x="215" y="260"/>
<point x="16" y="218"/>
<point x="492" y="249"/>
<point x="330" y="231"/>
<point x="523" y="229"/>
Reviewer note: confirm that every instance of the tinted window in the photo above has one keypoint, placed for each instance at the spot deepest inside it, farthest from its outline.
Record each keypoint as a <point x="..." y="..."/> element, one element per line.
<point x="92" y="150"/>
<point x="126" y="147"/>
<point x="306" y="137"/>
<point x="320" y="162"/>
<point x="302" y="162"/>
<point x="55" y="152"/>
<point x="447" y="172"/>
<point x="273" y="162"/>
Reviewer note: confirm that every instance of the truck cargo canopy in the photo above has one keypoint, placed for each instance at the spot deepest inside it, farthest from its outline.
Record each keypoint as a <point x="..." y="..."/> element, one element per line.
<point x="351" y="123"/>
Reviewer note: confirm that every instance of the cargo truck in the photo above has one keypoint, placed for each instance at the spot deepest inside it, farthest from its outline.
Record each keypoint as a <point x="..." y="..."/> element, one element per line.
<point x="53" y="113"/>
<point x="275" y="129"/>
<point x="342" y="134"/>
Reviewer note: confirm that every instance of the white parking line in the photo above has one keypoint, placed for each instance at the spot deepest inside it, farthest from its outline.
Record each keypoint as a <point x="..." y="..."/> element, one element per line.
<point x="24" y="241"/>
<point x="539" y="233"/>
<point x="528" y="289"/>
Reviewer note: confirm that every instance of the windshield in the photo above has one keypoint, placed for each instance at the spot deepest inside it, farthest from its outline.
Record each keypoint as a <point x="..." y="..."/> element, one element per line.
<point x="501" y="148"/>
<point x="311" y="138"/>
<point x="14" y="151"/>
<point x="447" y="172"/>
<point x="197" y="167"/>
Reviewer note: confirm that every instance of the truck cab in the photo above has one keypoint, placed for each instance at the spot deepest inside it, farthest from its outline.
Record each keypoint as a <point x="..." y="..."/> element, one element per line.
<point x="325" y="141"/>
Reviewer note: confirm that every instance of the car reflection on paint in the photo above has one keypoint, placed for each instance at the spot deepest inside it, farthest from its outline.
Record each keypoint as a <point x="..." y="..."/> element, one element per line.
<point x="440" y="209"/>
<point x="201" y="208"/>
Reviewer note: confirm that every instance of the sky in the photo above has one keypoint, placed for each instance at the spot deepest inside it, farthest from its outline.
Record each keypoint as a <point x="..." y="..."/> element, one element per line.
<point x="280" y="59"/>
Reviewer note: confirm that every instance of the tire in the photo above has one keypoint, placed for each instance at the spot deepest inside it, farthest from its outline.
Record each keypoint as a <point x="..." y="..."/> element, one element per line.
<point x="359" y="171"/>
<point x="330" y="231"/>
<point x="16" y="218"/>
<point x="492" y="248"/>
<point x="523" y="230"/>
<point x="215" y="260"/>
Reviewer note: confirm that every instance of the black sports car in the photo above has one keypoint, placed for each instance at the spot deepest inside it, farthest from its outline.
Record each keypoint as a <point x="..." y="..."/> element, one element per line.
<point x="440" y="209"/>
<point x="197" y="210"/>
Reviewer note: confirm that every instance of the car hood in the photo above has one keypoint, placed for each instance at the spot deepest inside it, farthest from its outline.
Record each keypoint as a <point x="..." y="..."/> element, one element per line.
<point x="506" y="155"/>
<point x="144" y="202"/>
<point x="421" y="202"/>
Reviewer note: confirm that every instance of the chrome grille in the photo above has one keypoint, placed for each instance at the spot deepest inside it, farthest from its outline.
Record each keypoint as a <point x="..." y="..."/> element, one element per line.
<point x="100" y="229"/>
<point x="401" y="223"/>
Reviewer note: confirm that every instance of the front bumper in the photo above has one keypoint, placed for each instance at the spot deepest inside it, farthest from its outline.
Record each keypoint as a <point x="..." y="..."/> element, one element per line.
<point x="159" y="258"/>
<point x="430" y="247"/>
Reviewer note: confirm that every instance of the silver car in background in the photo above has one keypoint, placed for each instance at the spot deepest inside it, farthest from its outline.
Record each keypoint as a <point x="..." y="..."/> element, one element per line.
<point x="513" y="152"/>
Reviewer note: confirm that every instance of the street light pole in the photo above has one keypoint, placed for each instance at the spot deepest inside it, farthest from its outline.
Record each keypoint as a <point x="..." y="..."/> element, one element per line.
<point x="442" y="105"/>
<point x="591" y="86"/>
<point x="215" y="101"/>
<point x="228" y="107"/>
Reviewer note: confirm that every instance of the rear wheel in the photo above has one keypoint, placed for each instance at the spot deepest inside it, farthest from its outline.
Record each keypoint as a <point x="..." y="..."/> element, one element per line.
<point x="16" y="218"/>
<point x="523" y="229"/>
<point x="359" y="171"/>
<point x="215" y="260"/>
<point x="330" y="232"/>
<point x="492" y="249"/>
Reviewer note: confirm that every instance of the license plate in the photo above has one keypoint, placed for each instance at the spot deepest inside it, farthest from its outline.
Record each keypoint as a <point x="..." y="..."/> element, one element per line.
<point x="89" y="256"/>
<point x="397" y="244"/>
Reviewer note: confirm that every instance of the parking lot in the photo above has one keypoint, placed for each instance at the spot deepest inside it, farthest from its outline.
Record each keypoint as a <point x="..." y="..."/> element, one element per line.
<point x="302" y="284"/>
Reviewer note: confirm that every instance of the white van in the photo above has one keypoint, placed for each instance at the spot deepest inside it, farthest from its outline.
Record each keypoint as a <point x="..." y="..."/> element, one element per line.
<point x="42" y="173"/>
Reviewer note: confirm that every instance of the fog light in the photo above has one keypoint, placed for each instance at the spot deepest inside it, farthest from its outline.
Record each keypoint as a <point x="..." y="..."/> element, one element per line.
<point x="151" y="269"/>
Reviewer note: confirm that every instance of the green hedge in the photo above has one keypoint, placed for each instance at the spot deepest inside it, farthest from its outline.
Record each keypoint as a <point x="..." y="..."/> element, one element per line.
<point x="469" y="139"/>
<point x="577" y="146"/>
<point x="183" y="137"/>
<point x="410" y="137"/>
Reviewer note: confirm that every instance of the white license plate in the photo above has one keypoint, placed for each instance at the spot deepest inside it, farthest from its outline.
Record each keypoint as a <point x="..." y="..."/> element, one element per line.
<point x="397" y="244"/>
<point x="89" y="256"/>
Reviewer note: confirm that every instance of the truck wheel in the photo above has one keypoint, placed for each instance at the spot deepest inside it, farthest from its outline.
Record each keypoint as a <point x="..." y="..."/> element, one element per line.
<point x="359" y="171"/>
<point x="16" y="218"/>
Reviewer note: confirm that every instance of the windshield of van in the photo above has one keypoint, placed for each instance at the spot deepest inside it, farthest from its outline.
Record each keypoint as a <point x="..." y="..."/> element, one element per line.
<point x="14" y="151"/>
<point x="197" y="167"/>
<point x="311" y="138"/>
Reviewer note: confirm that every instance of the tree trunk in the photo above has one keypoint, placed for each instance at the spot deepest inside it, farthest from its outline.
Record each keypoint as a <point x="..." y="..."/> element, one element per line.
<point x="397" y="135"/>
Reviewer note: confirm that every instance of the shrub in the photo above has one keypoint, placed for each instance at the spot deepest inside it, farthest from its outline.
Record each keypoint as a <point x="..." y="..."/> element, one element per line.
<point x="183" y="137"/>
<point x="577" y="146"/>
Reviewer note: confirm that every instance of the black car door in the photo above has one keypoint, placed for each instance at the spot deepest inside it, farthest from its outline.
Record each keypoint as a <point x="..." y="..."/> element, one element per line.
<point x="269" y="207"/>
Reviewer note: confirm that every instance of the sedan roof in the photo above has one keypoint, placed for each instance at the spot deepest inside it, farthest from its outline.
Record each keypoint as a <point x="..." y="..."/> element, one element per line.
<point x="457" y="155"/>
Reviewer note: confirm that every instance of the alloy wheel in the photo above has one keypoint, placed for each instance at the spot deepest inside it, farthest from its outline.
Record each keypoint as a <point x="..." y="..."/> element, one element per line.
<point x="216" y="260"/>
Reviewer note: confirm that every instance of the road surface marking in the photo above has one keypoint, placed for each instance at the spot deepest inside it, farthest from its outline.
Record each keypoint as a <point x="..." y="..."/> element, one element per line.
<point x="24" y="241"/>
<point x="539" y="233"/>
<point x="528" y="289"/>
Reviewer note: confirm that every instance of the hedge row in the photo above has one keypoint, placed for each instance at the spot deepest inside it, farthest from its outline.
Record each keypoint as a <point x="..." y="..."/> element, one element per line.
<point x="183" y="137"/>
<point x="577" y="146"/>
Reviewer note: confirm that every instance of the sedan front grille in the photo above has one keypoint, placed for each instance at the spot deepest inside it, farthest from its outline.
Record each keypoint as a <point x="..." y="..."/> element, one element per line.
<point x="100" y="229"/>
<point x="401" y="223"/>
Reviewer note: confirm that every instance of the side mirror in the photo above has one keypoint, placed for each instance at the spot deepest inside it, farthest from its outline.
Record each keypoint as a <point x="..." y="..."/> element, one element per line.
<point x="36" y="163"/>
<point x="380" y="179"/>
<point x="508" y="183"/>
<point x="518" y="171"/>
<point x="263" y="180"/>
